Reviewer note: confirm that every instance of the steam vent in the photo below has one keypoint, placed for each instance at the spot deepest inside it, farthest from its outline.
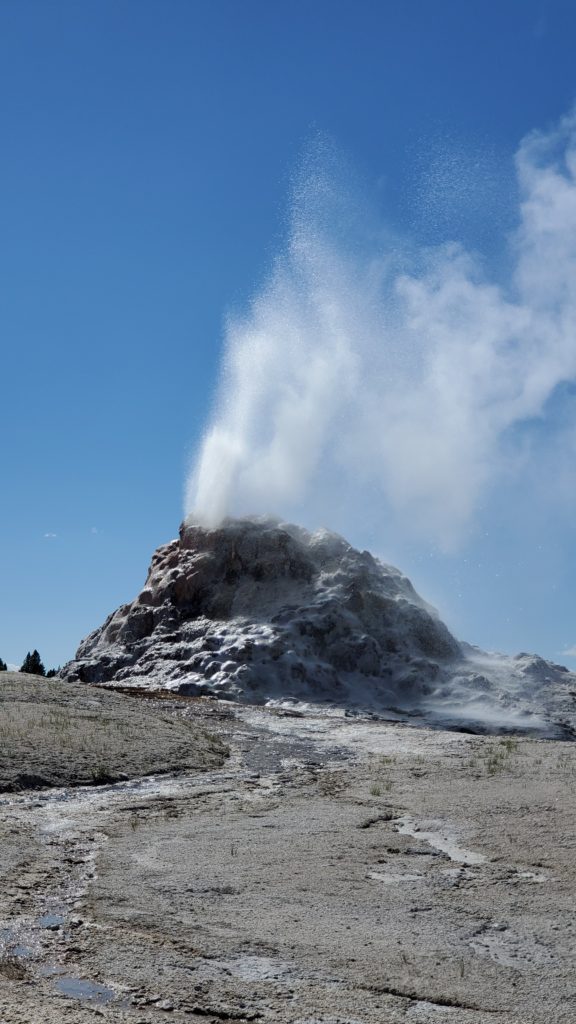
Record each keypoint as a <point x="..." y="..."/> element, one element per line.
<point x="259" y="611"/>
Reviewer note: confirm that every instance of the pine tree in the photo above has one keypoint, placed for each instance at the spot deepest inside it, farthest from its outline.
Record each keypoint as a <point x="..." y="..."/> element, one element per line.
<point x="33" y="664"/>
<point x="3" y="666"/>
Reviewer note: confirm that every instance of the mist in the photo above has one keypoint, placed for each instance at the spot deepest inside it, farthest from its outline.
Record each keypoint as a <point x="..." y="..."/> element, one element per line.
<point x="372" y="377"/>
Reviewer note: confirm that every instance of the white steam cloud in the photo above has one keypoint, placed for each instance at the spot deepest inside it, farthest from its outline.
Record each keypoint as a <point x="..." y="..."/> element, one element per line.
<point x="404" y="380"/>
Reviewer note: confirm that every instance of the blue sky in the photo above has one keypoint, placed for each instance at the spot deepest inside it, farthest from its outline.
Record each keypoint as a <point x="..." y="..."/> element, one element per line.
<point x="147" y="153"/>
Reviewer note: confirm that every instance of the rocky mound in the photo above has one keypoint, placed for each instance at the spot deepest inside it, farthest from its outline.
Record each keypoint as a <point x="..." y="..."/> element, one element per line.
<point x="254" y="610"/>
<point x="261" y="611"/>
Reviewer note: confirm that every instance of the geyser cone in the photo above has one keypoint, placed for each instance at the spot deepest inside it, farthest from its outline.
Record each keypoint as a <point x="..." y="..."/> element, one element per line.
<point x="257" y="610"/>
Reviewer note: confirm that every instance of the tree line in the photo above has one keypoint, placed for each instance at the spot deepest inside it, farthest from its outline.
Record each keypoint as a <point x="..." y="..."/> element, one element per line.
<point x="33" y="665"/>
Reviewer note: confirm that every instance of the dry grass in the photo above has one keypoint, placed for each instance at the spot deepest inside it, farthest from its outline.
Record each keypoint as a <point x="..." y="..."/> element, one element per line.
<point x="27" y="726"/>
<point x="56" y="733"/>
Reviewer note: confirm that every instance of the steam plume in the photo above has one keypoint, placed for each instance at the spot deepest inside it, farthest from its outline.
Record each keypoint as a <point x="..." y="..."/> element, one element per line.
<point x="401" y="379"/>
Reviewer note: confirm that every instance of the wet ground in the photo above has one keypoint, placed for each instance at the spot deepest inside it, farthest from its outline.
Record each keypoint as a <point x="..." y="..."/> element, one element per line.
<point x="334" y="870"/>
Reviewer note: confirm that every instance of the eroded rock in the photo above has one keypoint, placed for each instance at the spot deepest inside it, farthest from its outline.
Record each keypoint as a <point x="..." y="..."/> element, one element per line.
<point x="257" y="611"/>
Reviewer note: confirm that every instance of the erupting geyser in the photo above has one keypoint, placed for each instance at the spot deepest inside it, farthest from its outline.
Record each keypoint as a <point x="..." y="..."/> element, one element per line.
<point x="364" y="383"/>
<point x="371" y="383"/>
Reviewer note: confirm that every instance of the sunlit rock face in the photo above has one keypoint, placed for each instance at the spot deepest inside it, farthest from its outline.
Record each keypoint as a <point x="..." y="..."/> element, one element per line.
<point x="258" y="611"/>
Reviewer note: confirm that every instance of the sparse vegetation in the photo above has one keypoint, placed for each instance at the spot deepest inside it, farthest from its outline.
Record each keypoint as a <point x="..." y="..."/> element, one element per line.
<point x="510" y="744"/>
<point x="381" y="784"/>
<point x="28" y="725"/>
<point x="497" y="756"/>
<point x="101" y="775"/>
<point x="378" y="788"/>
<point x="60" y="734"/>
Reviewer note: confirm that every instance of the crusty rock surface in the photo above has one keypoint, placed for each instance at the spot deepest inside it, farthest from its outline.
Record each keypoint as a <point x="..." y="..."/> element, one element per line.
<point x="258" y="611"/>
<point x="254" y="610"/>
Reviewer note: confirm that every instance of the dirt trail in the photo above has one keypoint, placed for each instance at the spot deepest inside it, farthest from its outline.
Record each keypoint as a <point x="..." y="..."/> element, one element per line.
<point x="332" y="870"/>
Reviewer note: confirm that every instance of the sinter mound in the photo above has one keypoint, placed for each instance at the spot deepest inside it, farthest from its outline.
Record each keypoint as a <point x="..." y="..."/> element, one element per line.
<point x="259" y="611"/>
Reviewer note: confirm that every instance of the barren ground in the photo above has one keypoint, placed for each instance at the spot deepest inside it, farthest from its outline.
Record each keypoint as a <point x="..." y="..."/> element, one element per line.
<point x="333" y="870"/>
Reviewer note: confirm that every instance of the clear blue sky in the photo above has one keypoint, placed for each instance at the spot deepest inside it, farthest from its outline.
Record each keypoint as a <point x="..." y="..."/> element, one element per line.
<point x="146" y="154"/>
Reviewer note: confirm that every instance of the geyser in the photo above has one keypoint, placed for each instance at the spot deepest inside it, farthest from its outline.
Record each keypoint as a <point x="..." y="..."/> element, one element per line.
<point x="370" y="378"/>
<point x="265" y="612"/>
<point x="367" y="378"/>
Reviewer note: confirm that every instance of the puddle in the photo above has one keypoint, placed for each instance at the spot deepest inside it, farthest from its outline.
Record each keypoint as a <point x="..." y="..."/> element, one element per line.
<point x="441" y="838"/>
<point x="21" y="951"/>
<point x="11" y="943"/>
<point x="51" y="921"/>
<point x="82" y="988"/>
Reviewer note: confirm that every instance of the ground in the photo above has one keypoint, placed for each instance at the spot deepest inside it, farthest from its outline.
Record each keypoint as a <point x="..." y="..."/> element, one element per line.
<point x="332" y="870"/>
<point x="55" y="733"/>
